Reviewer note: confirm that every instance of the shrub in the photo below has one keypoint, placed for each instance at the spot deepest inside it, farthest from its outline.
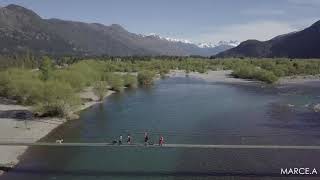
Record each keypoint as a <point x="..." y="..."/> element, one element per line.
<point x="22" y="85"/>
<point x="92" y="70"/>
<point x="266" y="76"/>
<point x="100" y="89"/>
<point x="46" y="69"/>
<point x="280" y="71"/>
<point x="146" y="77"/>
<point x="4" y="80"/>
<point x="245" y="72"/>
<point x="163" y="72"/>
<point x="58" y="99"/>
<point x="25" y="91"/>
<point x="76" y="79"/>
<point x="252" y="72"/>
<point x="115" y="81"/>
<point x="130" y="81"/>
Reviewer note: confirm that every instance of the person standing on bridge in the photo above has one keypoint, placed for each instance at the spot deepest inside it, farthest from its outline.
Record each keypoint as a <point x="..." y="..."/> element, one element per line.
<point x="120" y="140"/>
<point x="146" y="138"/>
<point x="161" y="141"/>
<point x="129" y="139"/>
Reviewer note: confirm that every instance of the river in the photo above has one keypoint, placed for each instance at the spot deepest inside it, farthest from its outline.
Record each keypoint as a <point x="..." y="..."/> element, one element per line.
<point x="184" y="110"/>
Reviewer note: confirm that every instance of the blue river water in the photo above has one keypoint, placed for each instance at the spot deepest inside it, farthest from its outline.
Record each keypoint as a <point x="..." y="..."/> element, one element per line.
<point x="188" y="111"/>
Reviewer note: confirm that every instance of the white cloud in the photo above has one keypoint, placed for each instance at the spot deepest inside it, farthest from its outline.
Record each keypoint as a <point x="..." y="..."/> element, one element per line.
<point x="263" y="12"/>
<point x="306" y="2"/>
<point x="301" y="24"/>
<point x="260" y="30"/>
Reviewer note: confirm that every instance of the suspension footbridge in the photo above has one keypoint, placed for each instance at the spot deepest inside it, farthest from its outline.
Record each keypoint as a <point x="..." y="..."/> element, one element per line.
<point x="200" y="146"/>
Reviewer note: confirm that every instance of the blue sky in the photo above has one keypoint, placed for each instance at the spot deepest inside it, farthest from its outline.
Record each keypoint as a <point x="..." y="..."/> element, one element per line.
<point x="194" y="20"/>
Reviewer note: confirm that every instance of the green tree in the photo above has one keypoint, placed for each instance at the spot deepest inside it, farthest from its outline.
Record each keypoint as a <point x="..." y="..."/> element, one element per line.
<point x="100" y="89"/>
<point x="130" y="81"/>
<point x="58" y="99"/>
<point x="115" y="81"/>
<point x="46" y="69"/>
<point x="146" y="77"/>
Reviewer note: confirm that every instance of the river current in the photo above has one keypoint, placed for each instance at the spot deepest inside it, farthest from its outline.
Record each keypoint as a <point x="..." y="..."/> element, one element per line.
<point x="184" y="111"/>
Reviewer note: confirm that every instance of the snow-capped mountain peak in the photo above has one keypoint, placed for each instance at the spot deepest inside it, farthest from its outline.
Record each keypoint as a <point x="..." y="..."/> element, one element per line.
<point x="178" y="40"/>
<point x="168" y="38"/>
<point x="201" y="45"/>
<point x="220" y="43"/>
<point x="205" y="45"/>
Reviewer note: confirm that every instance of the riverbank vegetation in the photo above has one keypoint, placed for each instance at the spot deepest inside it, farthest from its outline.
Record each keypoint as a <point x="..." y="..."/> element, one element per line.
<point x="254" y="72"/>
<point x="51" y="86"/>
<point x="52" y="91"/>
<point x="100" y="89"/>
<point x="270" y="70"/>
<point x="146" y="77"/>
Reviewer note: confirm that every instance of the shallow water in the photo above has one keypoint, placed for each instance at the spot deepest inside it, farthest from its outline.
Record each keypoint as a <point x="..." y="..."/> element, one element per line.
<point x="185" y="110"/>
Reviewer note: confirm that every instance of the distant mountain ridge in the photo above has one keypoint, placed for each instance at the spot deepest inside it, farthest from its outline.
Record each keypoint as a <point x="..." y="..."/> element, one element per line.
<point x="231" y="43"/>
<point x="220" y="43"/>
<point x="301" y="44"/>
<point x="22" y="30"/>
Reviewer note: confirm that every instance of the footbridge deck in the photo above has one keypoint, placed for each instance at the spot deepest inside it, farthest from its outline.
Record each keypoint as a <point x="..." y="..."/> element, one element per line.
<point x="201" y="146"/>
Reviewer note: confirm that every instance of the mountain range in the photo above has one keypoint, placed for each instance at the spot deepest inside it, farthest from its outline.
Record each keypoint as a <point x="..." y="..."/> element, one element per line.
<point x="22" y="30"/>
<point x="301" y="44"/>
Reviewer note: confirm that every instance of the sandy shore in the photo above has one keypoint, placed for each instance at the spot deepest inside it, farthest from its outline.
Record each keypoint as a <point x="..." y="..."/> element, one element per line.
<point x="31" y="130"/>
<point x="223" y="76"/>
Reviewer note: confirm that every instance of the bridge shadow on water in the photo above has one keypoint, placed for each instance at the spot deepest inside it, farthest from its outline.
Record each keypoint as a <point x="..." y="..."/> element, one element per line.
<point x="102" y="173"/>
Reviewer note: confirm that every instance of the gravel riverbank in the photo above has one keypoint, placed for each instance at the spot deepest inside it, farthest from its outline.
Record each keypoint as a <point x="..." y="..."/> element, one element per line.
<point x="16" y="128"/>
